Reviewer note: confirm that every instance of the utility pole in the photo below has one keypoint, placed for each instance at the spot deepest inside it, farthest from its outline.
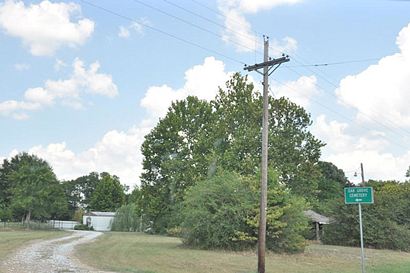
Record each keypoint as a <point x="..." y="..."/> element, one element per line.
<point x="361" y="171"/>
<point x="267" y="66"/>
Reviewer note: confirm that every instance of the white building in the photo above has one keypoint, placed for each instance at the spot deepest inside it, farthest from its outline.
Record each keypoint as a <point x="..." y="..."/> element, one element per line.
<point x="100" y="221"/>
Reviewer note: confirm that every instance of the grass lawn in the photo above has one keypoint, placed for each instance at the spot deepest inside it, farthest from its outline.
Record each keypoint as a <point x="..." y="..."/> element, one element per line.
<point x="10" y="240"/>
<point x="133" y="252"/>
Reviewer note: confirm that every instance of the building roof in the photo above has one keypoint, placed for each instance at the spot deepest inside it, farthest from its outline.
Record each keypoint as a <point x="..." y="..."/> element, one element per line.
<point x="100" y="213"/>
<point x="316" y="217"/>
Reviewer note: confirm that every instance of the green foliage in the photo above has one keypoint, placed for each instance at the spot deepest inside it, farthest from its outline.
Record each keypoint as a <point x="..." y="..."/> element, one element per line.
<point x="78" y="215"/>
<point x="5" y="213"/>
<point x="196" y="138"/>
<point x="108" y="195"/>
<point x="127" y="218"/>
<point x="79" y="191"/>
<point x="174" y="157"/>
<point x="35" y="191"/>
<point x="386" y="222"/>
<point x="223" y="212"/>
<point x="285" y="219"/>
<point x="331" y="182"/>
<point x="215" y="213"/>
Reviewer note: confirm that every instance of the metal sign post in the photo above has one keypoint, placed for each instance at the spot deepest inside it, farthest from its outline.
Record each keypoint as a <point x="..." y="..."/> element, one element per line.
<point x="361" y="237"/>
<point x="360" y="195"/>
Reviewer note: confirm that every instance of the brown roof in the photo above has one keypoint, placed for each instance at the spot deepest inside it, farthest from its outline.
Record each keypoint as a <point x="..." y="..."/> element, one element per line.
<point x="316" y="217"/>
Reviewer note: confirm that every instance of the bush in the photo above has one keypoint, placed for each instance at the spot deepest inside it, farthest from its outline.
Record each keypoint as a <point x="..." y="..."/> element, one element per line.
<point x="286" y="223"/>
<point x="127" y="218"/>
<point x="223" y="212"/>
<point x="215" y="213"/>
<point x="83" y="227"/>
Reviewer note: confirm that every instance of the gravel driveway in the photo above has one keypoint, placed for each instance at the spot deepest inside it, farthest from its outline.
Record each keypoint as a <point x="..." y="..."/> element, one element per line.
<point x="49" y="256"/>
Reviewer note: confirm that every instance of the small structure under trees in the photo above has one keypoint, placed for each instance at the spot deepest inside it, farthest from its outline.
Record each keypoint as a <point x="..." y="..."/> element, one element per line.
<point x="318" y="221"/>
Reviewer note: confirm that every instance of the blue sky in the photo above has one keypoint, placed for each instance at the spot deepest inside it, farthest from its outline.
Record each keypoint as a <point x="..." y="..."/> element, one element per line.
<point x="82" y="82"/>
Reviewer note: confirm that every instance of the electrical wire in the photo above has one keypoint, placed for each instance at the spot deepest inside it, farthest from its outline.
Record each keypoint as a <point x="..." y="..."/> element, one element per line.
<point x="337" y="63"/>
<point x="162" y="32"/>
<point x="308" y="66"/>
<point x="187" y="22"/>
<point x="393" y="141"/>
<point x="389" y="122"/>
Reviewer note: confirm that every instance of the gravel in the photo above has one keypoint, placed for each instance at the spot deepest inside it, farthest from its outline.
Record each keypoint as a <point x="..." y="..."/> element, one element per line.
<point x="50" y="256"/>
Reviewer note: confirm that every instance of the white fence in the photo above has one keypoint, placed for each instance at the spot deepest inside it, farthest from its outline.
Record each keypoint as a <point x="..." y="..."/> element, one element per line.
<point x="58" y="224"/>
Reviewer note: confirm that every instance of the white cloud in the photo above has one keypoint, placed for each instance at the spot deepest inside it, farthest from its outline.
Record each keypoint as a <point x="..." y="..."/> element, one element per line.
<point x="347" y="152"/>
<point x="46" y="26"/>
<point x="238" y="30"/>
<point x="117" y="152"/>
<point x="201" y="81"/>
<point x="125" y="32"/>
<point x="21" y="67"/>
<point x="381" y="91"/>
<point x="68" y="92"/>
<point x="253" y="6"/>
<point x="12" y="108"/>
<point x="59" y="64"/>
<point x="299" y="91"/>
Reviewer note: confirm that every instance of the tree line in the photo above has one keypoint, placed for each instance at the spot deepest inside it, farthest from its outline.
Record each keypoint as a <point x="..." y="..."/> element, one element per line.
<point x="200" y="181"/>
<point x="30" y="190"/>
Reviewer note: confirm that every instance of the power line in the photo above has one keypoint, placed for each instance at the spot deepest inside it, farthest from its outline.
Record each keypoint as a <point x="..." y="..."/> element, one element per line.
<point x="337" y="113"/>
<point x="307" y="66"/>
<point x="391" y="123"/>
<point x="162" y="32"/>
<point x="216" y="23"/>
<point x="187" y="22"/>
<point x="337" y="63"/>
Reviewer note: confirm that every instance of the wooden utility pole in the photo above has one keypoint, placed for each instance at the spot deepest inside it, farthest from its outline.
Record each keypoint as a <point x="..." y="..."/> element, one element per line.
<point x="267" y="65"/>
<point x="362" y="173"/>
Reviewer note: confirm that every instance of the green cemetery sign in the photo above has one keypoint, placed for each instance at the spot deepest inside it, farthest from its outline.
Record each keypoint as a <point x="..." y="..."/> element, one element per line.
<point x="359" y="195"/>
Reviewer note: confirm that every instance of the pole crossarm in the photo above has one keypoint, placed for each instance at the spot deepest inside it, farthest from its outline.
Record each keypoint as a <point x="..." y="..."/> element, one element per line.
<point x="269" y="63"/>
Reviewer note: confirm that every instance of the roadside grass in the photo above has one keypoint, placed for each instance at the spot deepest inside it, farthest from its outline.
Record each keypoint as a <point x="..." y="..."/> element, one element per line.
<point x="11" y="240"/>
<point x="141" y="253"/>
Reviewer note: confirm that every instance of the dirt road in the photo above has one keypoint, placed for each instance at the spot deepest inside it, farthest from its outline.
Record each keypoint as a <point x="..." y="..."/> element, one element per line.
<point x="50" y="256"/>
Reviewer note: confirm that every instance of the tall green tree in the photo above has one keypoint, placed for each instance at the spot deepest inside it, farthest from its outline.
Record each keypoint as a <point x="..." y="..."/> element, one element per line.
<point x="108" y="195"/>
<point x="7" y="167"/>
<point x="293" y="150"/>
<point x="79" y="190"/>
<point x="36" y="192"/>
<point x="331" y="182"/>
<point x="175" y="156"/>
<point x="196" y="137"/>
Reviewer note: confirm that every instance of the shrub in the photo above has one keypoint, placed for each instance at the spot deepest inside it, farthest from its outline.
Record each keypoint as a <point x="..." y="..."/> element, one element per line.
<point x="83" y="227"/>
<point x="215" y="213"/>
<point x="223" y="212"/>
<point x="127" y="218"/>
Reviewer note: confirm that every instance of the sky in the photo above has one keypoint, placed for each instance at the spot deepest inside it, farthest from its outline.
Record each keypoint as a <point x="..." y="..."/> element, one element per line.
<point x="83" y="81"/>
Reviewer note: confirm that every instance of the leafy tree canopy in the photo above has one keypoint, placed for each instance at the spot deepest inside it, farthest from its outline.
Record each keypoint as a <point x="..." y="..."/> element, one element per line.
<point x="197" y="137"/>
<point x="108" y="195"/>
<point x="35" y="191"/>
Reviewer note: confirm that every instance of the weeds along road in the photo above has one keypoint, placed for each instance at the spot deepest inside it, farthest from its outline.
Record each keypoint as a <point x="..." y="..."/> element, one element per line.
<point x="55" y="255"/>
